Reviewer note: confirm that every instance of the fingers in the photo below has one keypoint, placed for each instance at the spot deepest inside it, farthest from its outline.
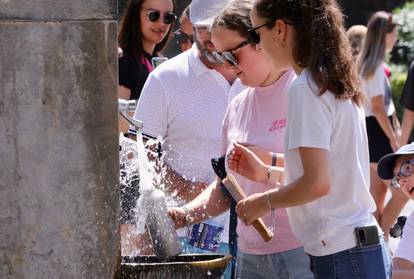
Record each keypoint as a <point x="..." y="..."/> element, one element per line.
<point x="177" y="217"/>
<point x="233" y="160"/>
<point x="241" y="212"/>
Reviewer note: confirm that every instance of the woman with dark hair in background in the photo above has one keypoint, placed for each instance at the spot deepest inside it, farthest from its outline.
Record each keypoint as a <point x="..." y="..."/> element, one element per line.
<point x="144" y="32"/>
<point x="379" y="111"/>
<point x="326" y="152"/>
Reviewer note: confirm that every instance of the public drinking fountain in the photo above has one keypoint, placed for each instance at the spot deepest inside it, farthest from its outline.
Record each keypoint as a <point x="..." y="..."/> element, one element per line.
<point x="168" y="262"/>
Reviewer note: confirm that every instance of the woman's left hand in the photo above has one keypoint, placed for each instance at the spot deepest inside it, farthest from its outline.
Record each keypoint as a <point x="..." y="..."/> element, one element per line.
<point x="252" y="207"/>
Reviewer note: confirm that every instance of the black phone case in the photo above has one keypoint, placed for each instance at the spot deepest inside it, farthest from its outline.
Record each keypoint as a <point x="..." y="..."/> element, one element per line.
<point x="367" y="236"/>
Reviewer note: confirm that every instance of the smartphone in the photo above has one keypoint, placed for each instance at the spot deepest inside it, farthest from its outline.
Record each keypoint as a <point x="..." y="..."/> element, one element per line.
<point x="156" y="61"/>
<point x="367" y="236"/>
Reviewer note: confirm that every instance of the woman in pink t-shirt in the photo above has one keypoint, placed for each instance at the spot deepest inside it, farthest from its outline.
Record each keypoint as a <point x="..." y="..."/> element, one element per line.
<point x="257" y="117"/>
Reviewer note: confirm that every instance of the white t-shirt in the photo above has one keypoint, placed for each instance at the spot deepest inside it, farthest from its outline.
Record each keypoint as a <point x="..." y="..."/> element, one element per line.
<point x="326" y="225"/>
<point x="185" y="102"/>
<point x="405" y="249"/>
<point x="378" y="84"/>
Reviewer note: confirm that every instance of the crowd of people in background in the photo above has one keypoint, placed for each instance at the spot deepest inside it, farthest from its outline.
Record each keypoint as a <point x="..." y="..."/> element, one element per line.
<point x="302" y="112"/>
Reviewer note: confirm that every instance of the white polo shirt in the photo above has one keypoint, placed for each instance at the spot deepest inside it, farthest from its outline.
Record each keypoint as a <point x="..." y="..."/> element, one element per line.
<point x="326" y="226"/>
<point x="185" y="102"/>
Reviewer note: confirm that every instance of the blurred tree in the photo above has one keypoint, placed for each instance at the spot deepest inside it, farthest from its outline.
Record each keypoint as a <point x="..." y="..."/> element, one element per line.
<point x="403" y="52"/>
<point x="359" y="11"/>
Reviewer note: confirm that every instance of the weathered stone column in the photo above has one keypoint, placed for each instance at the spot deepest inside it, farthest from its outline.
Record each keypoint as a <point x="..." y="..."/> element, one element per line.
<point x="58" y="139"/>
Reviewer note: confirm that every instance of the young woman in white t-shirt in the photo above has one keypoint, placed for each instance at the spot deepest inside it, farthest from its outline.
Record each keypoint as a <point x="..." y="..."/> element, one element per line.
<point x="326" y="153"/>
<point x="256" y="116"/>
<point x="382" y="139"/>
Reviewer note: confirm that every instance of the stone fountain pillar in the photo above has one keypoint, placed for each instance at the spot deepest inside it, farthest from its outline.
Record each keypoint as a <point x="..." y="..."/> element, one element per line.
<point x="58" y="139"/>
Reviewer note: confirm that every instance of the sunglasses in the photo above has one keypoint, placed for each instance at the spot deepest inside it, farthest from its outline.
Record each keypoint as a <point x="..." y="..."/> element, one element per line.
<point x="154" y="15"/>
<point x="406" y="170"/>
<point x="255" y="37"/>
<point x="228" y="56"/>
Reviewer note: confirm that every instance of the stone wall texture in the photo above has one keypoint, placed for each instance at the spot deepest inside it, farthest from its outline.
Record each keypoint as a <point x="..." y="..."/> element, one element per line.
<point x="58" y="9"/>
<point x="58" y="139"/>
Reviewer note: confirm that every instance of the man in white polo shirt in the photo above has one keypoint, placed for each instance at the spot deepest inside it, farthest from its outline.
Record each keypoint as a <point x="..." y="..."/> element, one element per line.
<point x="184" y="101"/>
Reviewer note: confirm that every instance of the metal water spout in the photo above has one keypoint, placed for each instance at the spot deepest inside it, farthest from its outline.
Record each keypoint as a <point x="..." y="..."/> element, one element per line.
<point x="124" y="107"/>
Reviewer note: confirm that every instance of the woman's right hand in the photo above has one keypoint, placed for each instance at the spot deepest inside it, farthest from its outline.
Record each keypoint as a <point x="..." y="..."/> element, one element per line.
<point x="243" y="161"/>
<point x="177" y="214"/>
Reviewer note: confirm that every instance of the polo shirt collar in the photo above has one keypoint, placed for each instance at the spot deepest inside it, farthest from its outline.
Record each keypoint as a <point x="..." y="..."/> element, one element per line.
<point x="195" y="62"/>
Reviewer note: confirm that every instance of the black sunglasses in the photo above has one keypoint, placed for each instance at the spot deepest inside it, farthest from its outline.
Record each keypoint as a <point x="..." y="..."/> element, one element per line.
<point x="255" y="38"/>
<point x="228" y="56"/>
<point x="253" y="34"/>
<point x="406" y="170"/>
<point x="154" y="15"/>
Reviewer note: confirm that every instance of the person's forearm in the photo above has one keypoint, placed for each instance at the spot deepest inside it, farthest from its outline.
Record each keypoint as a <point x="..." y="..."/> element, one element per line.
<point x="210" y="203"/>
<point x="184" y="189"/>
<point x="385" y="124"/>
<point x="407" y="125"/>
<point x="402" y="274"/>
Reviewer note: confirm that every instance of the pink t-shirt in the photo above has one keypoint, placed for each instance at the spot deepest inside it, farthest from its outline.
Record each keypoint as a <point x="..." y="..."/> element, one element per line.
<point x="258" y="116"/>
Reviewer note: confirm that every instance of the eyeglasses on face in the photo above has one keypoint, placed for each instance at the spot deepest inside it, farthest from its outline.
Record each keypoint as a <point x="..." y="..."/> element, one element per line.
<point x="228" y="56"/>
<point x="255" y="37"/>
<point x="406" y="170"/>
<point x="154" y="15"/>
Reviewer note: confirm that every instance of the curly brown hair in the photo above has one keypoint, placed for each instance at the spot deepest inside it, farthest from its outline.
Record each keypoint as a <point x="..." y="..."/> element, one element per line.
<point x="320" y="43"/>
<point x="130" y="35"/>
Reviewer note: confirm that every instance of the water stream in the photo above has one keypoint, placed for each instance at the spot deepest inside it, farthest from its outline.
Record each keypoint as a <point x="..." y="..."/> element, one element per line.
<point x="138" y="172"/>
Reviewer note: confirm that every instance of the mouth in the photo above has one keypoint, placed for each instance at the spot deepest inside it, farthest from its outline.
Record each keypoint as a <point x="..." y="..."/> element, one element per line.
<point x="159" y="31"/>
<point x="210" y="47"/>
<point x="411" y="190"/>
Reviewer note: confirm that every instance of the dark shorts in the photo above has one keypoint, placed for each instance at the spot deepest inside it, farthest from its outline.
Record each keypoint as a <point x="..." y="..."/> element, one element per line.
<point x="378" y="142"/>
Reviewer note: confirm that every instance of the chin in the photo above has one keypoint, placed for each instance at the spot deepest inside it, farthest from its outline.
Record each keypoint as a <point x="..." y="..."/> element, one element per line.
<point x="247" y="82"/>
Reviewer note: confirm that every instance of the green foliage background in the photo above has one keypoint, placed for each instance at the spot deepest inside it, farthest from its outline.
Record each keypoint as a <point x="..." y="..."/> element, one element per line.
<point x="404" y="51"/>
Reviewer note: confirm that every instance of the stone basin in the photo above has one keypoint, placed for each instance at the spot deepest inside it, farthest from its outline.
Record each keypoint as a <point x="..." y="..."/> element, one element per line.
<point x="179" y="267"/>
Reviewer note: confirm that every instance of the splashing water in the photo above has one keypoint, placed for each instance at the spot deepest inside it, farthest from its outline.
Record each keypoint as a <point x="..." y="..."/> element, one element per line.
<point x="143" y="174"/>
